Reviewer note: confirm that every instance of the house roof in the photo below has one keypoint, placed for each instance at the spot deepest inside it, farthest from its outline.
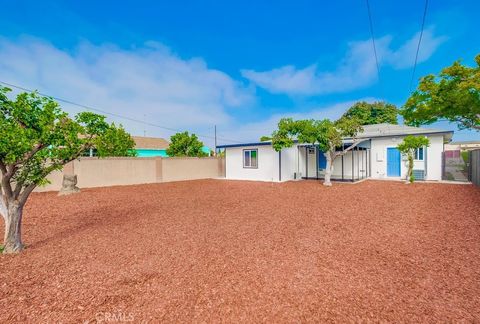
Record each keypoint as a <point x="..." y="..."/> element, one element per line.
<point x="374" y="131"/>
<point x="158" y="143"/>
<point x="386" y="130"/>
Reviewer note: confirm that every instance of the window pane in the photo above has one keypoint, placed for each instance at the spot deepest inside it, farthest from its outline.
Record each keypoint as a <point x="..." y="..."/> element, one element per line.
<point x="420" y="153"/>
<point x="246" y="161"/>
<point x="253" y="155"/>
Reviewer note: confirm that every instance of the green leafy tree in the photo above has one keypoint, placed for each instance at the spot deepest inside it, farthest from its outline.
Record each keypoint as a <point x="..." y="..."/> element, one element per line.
<point x="184" y="144"/>
<point x="36" y="138"/>
<point x="115" y="141"/>
<point x="327" y="135"/>
<point x="373" y="113"/>
<point x="408" y="147"/>
<point x="453" y="95"/>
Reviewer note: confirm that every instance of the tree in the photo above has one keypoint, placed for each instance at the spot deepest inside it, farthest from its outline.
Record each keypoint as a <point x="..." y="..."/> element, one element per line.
<point x="115" y="141"/>
<point x="373" y="113"/>
<point x="453" y="95"/>
<point x="327" y="135"/>
<point x="183" y="144"/>
<point x="408" y="146"/>
<point x="36" y="138"/>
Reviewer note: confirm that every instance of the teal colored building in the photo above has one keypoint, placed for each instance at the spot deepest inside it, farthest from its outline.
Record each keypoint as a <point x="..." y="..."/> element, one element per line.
<point x="154" y="146"/>
<point x="151" y="153"/>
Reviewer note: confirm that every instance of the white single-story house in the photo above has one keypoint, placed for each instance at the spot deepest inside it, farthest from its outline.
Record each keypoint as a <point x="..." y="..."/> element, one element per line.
<point x="375" y="157"/>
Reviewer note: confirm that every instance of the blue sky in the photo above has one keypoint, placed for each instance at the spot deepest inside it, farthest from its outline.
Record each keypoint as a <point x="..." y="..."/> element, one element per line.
<point x="240" y="65"/>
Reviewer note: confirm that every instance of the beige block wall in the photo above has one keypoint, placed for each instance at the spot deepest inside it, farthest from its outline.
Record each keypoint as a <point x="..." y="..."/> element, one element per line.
<point x="94" y="172"/>
<point x="177" y="169"/>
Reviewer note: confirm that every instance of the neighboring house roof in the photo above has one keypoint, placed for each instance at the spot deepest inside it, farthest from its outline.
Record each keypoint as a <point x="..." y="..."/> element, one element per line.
<point x="372" y="131"/>
<point x="157" y="143"/>
<point x="465" y="143"/>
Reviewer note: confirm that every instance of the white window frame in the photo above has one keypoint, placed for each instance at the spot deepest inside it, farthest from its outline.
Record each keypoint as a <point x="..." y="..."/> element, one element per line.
<point x="243" y="158"/>
<point x="417" y="154"/>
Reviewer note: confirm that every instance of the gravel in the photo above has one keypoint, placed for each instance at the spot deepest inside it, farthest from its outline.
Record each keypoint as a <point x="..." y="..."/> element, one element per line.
<point x="234" y="251"/>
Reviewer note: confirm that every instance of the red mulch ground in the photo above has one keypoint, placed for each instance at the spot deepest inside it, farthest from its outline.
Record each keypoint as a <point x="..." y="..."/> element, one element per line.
<point x="213" y="250"/>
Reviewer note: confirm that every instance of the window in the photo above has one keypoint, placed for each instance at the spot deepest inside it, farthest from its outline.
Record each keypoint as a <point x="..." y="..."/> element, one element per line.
<point x="419" y="154"/>
<point x="250" y="158"/>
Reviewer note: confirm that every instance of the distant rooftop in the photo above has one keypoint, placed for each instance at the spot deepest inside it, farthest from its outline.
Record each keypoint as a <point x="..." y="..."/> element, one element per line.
<point x="157" y="143"/>
<point x="464" y="142"/>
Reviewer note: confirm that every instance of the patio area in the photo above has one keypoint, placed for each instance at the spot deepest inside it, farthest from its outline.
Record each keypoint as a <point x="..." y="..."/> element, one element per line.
<point x="236" y="251"/>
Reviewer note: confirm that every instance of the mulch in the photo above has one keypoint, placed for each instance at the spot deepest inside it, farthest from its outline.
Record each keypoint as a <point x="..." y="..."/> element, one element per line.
<point x="234" y="251"/>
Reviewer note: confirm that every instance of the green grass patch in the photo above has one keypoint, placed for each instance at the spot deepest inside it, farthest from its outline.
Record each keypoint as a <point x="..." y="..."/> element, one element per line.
<point x="1" y="249"/>
<point x="464" y="156"/>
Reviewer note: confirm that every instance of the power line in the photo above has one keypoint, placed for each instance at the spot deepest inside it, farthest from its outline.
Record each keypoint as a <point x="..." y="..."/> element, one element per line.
<point x="374" y="46"/>
<point x="418" y="46"/>
<point x="110" y="113"/>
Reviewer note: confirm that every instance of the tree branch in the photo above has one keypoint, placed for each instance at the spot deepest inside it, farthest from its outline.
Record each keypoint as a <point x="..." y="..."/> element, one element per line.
<point x="30" y="154"/>
<point x="351" y="147"/>
<point x="3" y="168"/>
<point x="24" y="196"/>
<point x="18" y="189"/>
<point x="6" y="186"/>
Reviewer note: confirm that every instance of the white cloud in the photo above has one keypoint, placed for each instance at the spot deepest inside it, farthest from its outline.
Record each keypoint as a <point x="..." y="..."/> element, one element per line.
<point x="149" y="82"/>
<point x="356" y="70"/>
<point x="404" y="56"/>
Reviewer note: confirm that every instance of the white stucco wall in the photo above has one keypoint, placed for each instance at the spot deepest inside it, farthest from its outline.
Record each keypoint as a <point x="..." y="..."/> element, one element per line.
<point x="293" y="160"/>
<point x="433" y="156"/>
<point x="290" y="163"/>
<point x="267" y="169"/>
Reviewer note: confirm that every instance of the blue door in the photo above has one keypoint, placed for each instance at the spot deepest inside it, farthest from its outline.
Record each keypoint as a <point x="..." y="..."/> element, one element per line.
<point x="322" y="160"/>
<point x="393" y="162"/>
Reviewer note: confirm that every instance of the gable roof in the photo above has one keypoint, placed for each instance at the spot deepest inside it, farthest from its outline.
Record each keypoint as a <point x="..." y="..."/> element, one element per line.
<point x="157" y="143"/>
<point x="373" y="131"/>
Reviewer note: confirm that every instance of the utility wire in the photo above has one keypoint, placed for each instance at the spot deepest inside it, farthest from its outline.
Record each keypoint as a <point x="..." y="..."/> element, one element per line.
<point x="110" y="113"/>
<point x="418" y="46"/>
<point x="374" y="46"/>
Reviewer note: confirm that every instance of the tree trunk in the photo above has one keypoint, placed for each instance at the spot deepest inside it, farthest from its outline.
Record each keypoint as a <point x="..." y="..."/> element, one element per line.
<point x="328" y="169"/>
<point x="410" y="168"/>
<point x="13" y="234"/>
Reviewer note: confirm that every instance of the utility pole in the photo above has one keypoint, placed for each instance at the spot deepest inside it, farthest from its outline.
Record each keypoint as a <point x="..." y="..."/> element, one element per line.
<point x="144" y="121"/>
<point x="215" y="140"/>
